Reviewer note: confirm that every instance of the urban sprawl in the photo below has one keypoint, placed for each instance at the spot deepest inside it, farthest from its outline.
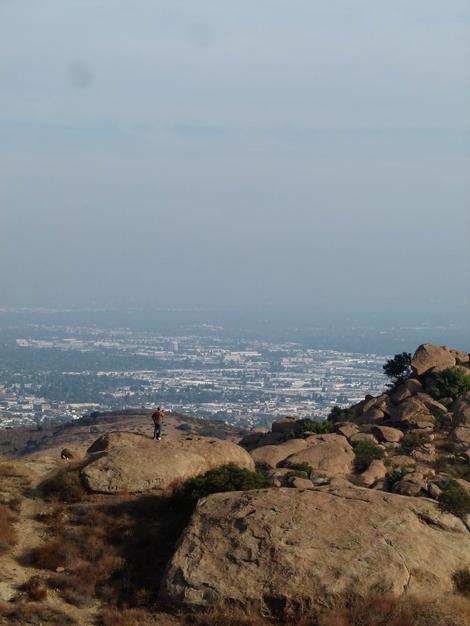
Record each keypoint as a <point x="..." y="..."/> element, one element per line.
<point x="240" y="382"/>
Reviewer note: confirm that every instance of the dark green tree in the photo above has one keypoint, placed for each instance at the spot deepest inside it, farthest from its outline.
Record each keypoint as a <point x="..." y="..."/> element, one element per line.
<point x="398" y="368"/>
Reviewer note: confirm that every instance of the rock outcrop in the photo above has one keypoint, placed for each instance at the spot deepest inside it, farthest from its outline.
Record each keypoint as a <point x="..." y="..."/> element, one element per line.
<point x="280" y="548"/>
<point x="431" y="358"/>
<point x="128" y="462"/>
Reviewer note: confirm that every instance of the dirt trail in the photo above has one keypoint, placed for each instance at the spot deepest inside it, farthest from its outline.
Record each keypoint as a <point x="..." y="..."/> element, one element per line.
<point x="14" y="572"/>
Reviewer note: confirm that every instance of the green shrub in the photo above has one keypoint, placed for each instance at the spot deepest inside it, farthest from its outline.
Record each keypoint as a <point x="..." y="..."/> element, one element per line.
<point x="396" y="475"/>
<point x="65" y="486"/>
<point x="309" y="427"/>
<point x="226" y="478"/>
<point x="451" y="383"/>
<point x="337" y="414"/>
<point x="317" y="427"/>
<point x="461" y="580"/>
<point x="454" y="499"/>
<point x="365" y="452"/>
<point x="301" y="467"/>
<point x="398" y="368"/>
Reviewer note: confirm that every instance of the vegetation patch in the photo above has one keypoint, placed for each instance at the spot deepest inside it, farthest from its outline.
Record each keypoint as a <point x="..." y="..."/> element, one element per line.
<point x="398" y="368"/>
<point x="366" y="452"/>
<point x="7" y="531"/>
<point x="337" y="414"/>
<point x="451" y="383"/>
<point x="411" y="441"/>
<point x="461" y="580"/>
<point x="66" y="486"/>
<point x="454" y="499"/>
<point x="396" y="475"/>
<point x="226" y="478"/>
<point x="301" y="467"/>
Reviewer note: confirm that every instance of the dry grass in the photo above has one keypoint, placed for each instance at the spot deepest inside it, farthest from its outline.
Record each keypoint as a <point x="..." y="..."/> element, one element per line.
<point x="7" y="530"/>
<point x="35" y="589"/>
<point x="114" y="552"/>
<point x="125" y="617"/>
<point x="20" y="614"/>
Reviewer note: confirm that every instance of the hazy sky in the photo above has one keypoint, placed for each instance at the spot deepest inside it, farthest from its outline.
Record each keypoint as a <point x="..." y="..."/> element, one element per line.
<point x="211" y="153"/>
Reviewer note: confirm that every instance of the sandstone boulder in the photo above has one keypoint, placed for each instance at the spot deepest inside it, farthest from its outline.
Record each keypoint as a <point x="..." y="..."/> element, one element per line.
<point x="129" y="462"/>
<point x="277" y="549"/>
<point x="271" y="456"/>
<point x="363" y="437"/>
<point x="331" y="454"/>
<point x="412" y="484"/>
<point x="461" y="410"/>
<point x="301" y="483"/>
<point x="374" y="414"/>
<point x="346" y="429"/>
<point x="461" y="358"/>
<point x="412" y="413"/>
<point x="284" y="425"/>
<point x="431" y="358"/>
<point x="376" y="471"/>
<point x="461" y="435"/>
<point x="386" y="434"/>
<point x="406" y="390"/>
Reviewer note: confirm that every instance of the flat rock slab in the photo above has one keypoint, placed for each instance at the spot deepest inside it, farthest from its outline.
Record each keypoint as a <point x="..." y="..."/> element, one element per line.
<point x="128" y="462"/>
<point x="280" y="548"/>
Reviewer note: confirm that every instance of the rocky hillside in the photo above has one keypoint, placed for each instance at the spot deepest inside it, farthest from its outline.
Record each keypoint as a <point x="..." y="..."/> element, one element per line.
<point x="359" y="520"/>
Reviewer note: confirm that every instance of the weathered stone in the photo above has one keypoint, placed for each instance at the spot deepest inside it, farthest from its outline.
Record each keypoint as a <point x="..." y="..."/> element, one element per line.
<point x="412" y="484"/>
<point x="363" y="437"/>
<point x="285" y="424"/>
<point x="386" y="434"/>
<point x="461" y="435"/>
<point x="301" y="483"/>
<point x="129" y="462"/>
<point x="461" y="410"/>
<point x="407" y="389"/>
<point x="434" y="491"/>
<point x="431" y="358"/>
<point x="285" y="548"/>
<point x="331" y="454"/>
<point x="376" y="471"/>
<point x="346" y="429"/>
<point x="461" y="358"/>
<point x="271" y="456"/>
<point x="374" y="414"/>
<point x="430" y="403"/>
<point x="412" y="413"/>
<point x="402" y="460"/>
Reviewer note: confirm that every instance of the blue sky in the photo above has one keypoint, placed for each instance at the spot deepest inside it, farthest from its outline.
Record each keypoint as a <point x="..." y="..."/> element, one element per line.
<point x="220" y="153"/>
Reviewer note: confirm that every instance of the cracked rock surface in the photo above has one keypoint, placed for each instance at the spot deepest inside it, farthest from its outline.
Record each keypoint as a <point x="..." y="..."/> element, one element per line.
<point x="280" y="548"/>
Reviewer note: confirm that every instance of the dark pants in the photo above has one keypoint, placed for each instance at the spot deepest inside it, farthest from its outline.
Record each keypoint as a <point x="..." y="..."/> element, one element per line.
<point x="157" y="432"/>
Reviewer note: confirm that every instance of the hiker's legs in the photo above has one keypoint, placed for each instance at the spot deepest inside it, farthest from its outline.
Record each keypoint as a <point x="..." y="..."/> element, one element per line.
<point x="157" y="433"/>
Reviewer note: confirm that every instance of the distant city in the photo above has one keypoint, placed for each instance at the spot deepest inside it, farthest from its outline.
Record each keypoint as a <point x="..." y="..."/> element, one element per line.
<point x="56" y="373"/>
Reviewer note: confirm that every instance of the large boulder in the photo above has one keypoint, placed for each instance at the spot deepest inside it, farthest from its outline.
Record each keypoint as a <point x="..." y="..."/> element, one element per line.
<point x="285" y="424"/>
<point x="386" y="434"/>
<point x="461" y="410"/>
<point x="331" y="454"/>
<point x="412" y="413"/>
<point x="283" y="548"/>
<point x="407" y="389"/>
<point x="271" y="456"/>
<point x="431" y="358"/>
<point x="128" y="462"/>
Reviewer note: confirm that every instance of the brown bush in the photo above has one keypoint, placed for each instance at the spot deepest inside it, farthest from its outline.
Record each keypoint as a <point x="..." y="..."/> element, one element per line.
<point x="32" y="615"/>
<point x="53" y="554"/>
<point x="35" y="589"/>
<point x="7" y="531"/>
<point x="125" y="617"/>
<point x="65" y="486"/>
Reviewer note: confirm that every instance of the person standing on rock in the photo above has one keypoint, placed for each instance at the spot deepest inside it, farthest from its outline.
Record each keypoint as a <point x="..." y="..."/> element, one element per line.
<point x="157" y="417"/>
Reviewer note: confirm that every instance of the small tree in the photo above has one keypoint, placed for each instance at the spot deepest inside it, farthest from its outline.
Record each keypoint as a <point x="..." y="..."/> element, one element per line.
<point x="398" y="368"/>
